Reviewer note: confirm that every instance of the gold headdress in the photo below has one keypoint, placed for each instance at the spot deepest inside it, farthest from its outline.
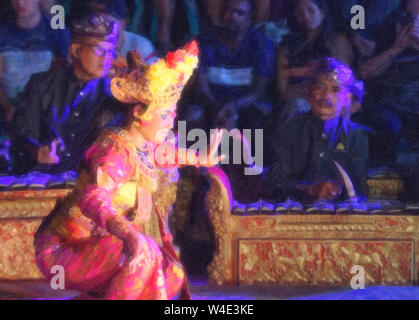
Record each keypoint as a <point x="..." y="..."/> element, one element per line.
<point x="158" y="85"/>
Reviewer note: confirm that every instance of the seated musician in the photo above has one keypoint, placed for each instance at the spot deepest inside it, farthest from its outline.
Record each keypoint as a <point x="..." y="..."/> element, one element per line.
<point x="52" y="125"/>
<point x="306" y="147"/>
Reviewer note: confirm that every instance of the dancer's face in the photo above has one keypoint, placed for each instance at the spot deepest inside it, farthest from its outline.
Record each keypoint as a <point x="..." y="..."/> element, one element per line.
<point x="158" y="127"/>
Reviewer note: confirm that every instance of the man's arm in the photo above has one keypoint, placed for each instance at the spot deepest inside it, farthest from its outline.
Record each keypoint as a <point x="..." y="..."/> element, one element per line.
<point x="380" y="63"/>
<point x="263" y="71"/>
<point x="258" y="90"/>
<point x="229" y="111"/>
<point x="205" y="96"/>
<point x="204" y="88"/>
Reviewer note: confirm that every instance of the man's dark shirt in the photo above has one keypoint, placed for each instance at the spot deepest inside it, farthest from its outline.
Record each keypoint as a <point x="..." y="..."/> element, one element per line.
<point x="305" y="154"/>
<point x="56" y="105"/>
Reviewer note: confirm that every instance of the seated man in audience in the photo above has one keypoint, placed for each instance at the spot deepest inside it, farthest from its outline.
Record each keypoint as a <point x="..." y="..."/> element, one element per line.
<point x="53" y="120"/>
<point x="236" y="66"/>
<point x="27" y="46"/>
<point x="307" y="146"/>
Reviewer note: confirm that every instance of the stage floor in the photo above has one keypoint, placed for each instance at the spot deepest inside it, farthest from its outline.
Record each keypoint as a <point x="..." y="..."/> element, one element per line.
<point x="40" y="290"/>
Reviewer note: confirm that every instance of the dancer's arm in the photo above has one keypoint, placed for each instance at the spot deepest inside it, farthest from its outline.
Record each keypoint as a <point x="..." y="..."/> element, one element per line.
<point x="110" y="168"/>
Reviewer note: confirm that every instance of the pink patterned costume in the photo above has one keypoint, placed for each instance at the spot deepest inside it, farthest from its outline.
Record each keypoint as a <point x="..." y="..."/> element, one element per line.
<point x="116" y="178"/>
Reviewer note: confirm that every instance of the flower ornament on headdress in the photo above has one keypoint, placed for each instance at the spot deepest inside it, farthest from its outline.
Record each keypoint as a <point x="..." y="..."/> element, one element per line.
<point x="158" y="85"/>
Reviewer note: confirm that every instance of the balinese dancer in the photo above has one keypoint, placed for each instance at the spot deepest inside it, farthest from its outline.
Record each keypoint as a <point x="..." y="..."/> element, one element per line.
<point x="100" y="233"/>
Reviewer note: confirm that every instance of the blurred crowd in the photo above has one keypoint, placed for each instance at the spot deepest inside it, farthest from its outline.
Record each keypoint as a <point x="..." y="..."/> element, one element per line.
<point x="258" y="60"/>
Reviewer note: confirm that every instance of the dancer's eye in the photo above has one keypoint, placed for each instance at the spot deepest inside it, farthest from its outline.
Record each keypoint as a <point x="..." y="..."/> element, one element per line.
<point x="166" y="115"/>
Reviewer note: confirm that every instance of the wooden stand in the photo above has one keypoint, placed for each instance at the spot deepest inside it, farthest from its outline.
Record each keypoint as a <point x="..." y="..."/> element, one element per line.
<point x="301" y="249"/>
